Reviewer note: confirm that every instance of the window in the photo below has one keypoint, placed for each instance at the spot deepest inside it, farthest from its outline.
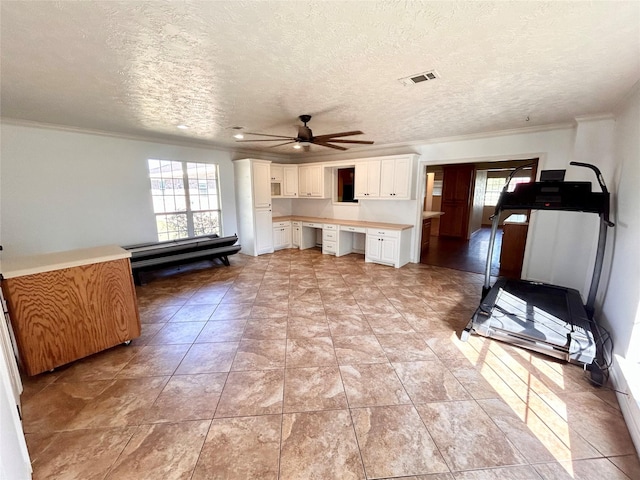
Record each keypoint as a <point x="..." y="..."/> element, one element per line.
<point x="186" y="198"/>
<point x="495" y="186"/>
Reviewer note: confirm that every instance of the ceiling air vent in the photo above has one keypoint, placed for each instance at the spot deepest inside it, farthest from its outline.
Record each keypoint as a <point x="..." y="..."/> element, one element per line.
<point x="419" y="78"/>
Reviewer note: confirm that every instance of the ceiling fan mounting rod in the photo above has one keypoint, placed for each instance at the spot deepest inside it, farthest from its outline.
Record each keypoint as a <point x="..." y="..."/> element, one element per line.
<point x="304" y="119"/>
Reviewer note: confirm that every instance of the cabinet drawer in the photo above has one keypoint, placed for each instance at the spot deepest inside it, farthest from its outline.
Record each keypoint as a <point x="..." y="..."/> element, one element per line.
<point x="328" y="247"/>
<point x="330" y="227"/>
<point x="346" y="228"/>
<point x="280" y="224"/>
<point x="329" y="235"/>
<point x="312" y="225"/>
<point x="383" y="232"/>
<point x="295" y="223"/>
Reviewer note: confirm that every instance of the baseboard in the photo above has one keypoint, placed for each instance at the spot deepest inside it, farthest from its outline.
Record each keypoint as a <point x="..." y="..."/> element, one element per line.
<point x="627" y="384"/>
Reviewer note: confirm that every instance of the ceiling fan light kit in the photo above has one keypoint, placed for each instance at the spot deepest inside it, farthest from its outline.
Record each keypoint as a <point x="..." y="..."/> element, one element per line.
<point x="305" y="138"/>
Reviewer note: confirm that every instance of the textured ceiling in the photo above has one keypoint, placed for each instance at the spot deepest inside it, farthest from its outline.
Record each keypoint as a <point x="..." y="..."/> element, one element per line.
<point x="144" y="67"/>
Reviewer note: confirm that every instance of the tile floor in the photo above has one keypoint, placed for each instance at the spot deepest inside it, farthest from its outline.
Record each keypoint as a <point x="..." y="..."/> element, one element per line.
<point x="302" y="366"/>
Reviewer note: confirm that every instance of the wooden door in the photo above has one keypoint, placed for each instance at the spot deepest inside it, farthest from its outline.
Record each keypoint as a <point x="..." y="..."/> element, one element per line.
<point x="457" y="189"/>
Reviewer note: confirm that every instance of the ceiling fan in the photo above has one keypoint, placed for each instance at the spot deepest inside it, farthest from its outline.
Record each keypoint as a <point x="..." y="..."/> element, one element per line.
<point x="305" y="138"/>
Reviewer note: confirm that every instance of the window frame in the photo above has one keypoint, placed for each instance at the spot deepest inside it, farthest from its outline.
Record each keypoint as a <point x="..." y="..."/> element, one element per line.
<point x="189" y="211"/>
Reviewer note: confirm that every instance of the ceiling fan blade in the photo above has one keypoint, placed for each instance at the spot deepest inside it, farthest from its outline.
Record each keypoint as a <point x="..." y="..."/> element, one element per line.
<point x="323" y="144"/>
<point x="363" y="142"/>
<point x="341" y="134"/>
<point x="271" y="140"/>
<point x="265" y="135"/>
<point x="280" y="144"/>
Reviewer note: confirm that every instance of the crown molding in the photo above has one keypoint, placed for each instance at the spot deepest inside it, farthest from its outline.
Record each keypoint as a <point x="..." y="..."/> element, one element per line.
<point x="595" y="118"/>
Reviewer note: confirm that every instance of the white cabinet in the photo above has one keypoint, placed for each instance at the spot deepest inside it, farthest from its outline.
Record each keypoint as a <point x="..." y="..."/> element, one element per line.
<point x="395" y="177"/>
<point x="389" y="247"/>
<point x="329" y="239"/>
<point x="277" y="172"/>
<point x="281" y="235"/>
<point x="284" y="181"/>
<point x="296" y="232"/>
<point x="261" y="182"/>
<point x="311" y="181"/>
<point x="253" y="205"/>
<point x="290" y="181"/>
<point x="367" y="181"/>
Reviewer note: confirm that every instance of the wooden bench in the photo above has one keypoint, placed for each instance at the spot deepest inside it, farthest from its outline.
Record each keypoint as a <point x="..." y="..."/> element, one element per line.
<point x="150" y="256"/>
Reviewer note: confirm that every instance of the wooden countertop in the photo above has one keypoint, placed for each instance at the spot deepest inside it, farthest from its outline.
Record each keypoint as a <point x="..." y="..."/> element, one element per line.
<point x="47" y="262"/>
<point x="349" y="223"/>
<point x="428" y="214"/>
<point x="516" y="218"/>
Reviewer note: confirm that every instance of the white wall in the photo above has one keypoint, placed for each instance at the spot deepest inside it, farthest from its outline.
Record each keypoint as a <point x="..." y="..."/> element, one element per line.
<point x="63" y="190"/>
<point x="621" y="299"/>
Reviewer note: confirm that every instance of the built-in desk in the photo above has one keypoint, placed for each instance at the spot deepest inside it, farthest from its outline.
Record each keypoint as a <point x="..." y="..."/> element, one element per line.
<point x="386" y="243"/>
<point x="68" y="305"/>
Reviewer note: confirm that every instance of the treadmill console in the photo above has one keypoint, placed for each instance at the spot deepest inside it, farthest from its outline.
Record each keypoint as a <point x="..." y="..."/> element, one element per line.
<point x="554" y="195"/>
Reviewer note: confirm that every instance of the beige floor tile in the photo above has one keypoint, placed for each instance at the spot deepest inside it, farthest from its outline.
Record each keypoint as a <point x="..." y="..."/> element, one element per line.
<point x="154" y="360"/>
<point x="252" y="393"/>
<point x="277" y="309"/>
<point x="308" y="326"/>
<point x="266" y="328"/>
<point x="394" y="442"/>
<point x="373" y="385"/>
<point x="208" y="358"/>
<point x="157" y="314"/>
<point x="168" y="451"/>
<point x="319" y="445"/>
<point x="82" y="454"/>
<point x="379" y="306"/>
<point x="260" y="354"/>
<point x="177" y="332"/>
<point x="603" y="427"/>
<point x="532" y="436"/>
<point x="429" y="382"/>
<point x="353" y="350"/>
<point x="241" y="449"/>
<point x="450" y="422"/>
<point x="240" y="294"/>
<point x="315" y="388"/>
<point x="342" y="306"/>
<point x="147" y="332"/>
<point x="193" y="313"/>
<point x="103" y="365"/>
<point x="232" y="311"/>
<point x="310" y="352"/>
<point x="592" y="469"/>
<point x="524" y="472"/>
<point x="299" y="293"/>
<point x="222" y="331"/>
<point x="122" y="403"/>
<point x="629" y="464"/>
<point x="405" y="347"/>
<point x="384" y="324"/>
<point x="187" y="397"/>
<point x="37" y="443"/>
<point x="306" y="309"/>
<point x="349" y="325"/>
<point x="54" y="407"/>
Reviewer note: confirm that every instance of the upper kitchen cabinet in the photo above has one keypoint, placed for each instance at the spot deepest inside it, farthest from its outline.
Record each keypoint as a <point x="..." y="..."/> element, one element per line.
<point x="311" y="181"/>
<point x="260" y="173"/>
<point x="367" y="179"/>
<point x="277" y="172"/>
<point x="290" y="181"/>
<point x="395" y="177"/>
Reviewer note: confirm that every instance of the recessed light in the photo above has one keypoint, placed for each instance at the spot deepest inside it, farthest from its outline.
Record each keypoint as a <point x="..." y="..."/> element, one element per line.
<point x="182" y="127"/>
<point x="238" y="133"/>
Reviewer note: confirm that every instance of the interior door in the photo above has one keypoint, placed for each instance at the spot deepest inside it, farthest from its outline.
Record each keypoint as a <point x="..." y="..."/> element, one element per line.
<point x="457" y="189"/>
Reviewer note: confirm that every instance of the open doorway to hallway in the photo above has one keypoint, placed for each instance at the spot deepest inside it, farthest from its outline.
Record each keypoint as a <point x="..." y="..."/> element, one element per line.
<point x="459" y="202"/>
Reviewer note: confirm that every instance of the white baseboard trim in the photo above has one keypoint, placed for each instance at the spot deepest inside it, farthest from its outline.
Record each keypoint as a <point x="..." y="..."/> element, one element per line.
<point x="627" y="383"/>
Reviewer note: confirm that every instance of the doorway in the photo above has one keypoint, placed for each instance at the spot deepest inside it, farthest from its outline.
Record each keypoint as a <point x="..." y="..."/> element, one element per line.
<point x="466" y="194"/>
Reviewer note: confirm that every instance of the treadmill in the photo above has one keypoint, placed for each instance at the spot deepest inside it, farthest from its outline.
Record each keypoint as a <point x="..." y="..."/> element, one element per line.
<point x="546" y="318"/>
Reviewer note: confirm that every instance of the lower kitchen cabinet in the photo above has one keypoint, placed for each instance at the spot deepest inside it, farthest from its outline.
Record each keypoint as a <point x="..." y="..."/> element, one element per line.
<point x="281" y="235"/>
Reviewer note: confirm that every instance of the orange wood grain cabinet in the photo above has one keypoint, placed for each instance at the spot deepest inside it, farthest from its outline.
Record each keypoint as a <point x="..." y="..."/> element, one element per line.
<point x="65" y="314"/>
